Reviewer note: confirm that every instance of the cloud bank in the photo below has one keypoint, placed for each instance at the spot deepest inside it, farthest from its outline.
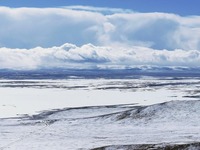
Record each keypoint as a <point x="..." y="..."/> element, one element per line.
<point x="48" y="27"/>
<point x="30" y="38"/>
<point x="95" y="57"/>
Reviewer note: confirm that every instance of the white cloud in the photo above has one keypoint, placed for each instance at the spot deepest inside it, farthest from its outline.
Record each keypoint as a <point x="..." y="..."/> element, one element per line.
<point x="119" y="38"/>
<point x="89" y="56"/>
<point x="47" y="27"/>
<point x="31" y="27"/>
<point x="156" y="30"/>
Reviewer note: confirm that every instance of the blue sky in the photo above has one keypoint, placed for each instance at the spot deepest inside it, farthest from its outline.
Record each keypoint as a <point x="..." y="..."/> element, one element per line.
<point x="181" y="7"/>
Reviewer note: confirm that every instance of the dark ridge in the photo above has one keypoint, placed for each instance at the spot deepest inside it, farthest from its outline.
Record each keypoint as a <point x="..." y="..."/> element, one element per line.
<point x="45" y="114"/>
<point x="44" y="86"/>
<point x="120" y="85"/>
<point x="98" y="73"/>
<point x="164" y="146"/>
<point x="133" y="112"/>
<point x="193" y="96"/>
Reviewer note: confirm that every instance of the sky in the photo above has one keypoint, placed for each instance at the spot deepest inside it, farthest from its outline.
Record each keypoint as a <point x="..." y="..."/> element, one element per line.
<point x="181" y="7"/>
<point x="99" y="34"/>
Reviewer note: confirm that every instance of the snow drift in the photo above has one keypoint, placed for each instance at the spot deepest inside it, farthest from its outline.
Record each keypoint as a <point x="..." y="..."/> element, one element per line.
<point x="161" y="125"/>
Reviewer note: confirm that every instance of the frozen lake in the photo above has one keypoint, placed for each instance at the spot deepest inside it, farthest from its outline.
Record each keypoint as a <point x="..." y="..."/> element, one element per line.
<point x="32" y="96"/>
<point x="91" y="113"/>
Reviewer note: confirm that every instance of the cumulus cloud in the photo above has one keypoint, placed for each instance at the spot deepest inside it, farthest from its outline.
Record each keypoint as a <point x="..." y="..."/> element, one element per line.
<point x="30" y="38"/>
<point x="89" y="57"/>
<point x="48" y="27"/>
<point x="32" y="27"/>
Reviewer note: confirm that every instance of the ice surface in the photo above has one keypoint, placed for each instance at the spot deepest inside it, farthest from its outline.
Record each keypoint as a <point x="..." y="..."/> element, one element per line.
<point x="86" y="114"/>
<point x="32" y="96"/>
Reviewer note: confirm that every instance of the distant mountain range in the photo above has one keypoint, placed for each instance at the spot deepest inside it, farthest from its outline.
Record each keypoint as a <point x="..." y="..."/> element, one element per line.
<point x="129" y="73"/>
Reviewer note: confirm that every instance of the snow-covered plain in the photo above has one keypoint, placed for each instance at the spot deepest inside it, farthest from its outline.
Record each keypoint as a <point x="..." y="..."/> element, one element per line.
<point x="91" y="113"/>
